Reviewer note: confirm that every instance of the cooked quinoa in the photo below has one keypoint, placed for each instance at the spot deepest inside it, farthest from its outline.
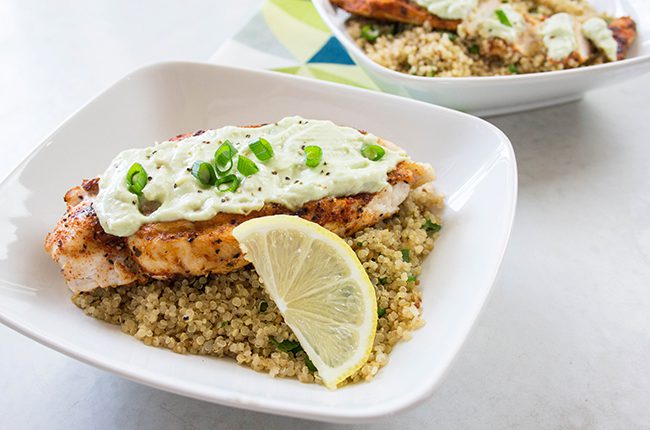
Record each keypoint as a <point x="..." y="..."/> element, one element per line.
<point x="232" y="316"/>
<point x="423" y="51"/>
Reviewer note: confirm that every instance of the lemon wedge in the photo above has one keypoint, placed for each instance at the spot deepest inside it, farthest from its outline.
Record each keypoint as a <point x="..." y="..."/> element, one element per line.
<point x="319" y="286"/>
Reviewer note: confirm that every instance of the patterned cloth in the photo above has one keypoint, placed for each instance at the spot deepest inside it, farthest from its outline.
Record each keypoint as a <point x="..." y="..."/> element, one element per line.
<point x="288" y="36"/>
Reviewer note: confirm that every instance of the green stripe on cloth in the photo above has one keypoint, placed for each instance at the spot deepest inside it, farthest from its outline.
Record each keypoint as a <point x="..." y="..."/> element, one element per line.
<point x="303" y="11"/>
<point x="283" y="36"/>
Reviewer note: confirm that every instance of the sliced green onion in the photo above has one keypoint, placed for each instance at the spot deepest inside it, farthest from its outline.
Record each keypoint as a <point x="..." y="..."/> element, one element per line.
<point x="513" y="69"/>
<point x="369" y="32"/>
<point x="411" y="278"/>
<point x="383" y="281"/>
<point x="381" y="312"/>
<point x="262" y="149"/>
<point x="313" y="155"/>
<point x="309" y="364"/>
<point x="503" y="18"/>
<point x="246" y="166"/>
<point x="223" y="158"/>
<point x="474" y="49"/>
<point x="406" y="255"/>
<point x="372" y="152"/>
<point x="430" y="226"/>
<point x="228" y="183"/>
<point x="263" y="306"/>
<point x="136" y="179"/>
<point x="204" y="173"/>
<point x="286" y="345"/>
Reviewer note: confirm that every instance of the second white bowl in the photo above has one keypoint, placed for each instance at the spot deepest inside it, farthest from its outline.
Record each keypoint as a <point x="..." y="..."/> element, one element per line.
<point x="504" y="94"/>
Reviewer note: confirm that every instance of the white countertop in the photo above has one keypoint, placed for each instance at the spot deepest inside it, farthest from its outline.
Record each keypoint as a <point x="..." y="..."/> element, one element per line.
<point x="564" y="341"/>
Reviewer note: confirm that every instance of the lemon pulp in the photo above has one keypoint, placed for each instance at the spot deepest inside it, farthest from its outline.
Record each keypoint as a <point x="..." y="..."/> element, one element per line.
<point x="319" y="286"/>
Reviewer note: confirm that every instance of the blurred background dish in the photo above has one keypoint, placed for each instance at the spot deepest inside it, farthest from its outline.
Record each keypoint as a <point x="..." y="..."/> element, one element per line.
<point x="509" y="93"/>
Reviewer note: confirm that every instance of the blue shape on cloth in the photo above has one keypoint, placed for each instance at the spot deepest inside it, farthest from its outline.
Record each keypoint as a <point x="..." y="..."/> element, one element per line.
<point x="332" y="52"/>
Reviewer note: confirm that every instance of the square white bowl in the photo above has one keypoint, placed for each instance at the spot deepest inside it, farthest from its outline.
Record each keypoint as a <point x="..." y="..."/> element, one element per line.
<point x="494" y="95"/>
<point x="476" y="170"/>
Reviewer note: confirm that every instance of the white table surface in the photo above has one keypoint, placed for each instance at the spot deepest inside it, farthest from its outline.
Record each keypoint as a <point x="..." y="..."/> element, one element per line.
<point x="564" y="341"/>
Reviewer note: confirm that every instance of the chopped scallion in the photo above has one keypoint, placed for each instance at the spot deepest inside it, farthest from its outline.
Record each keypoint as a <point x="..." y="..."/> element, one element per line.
<point x="313" y="155"/>
<point x="381" y="312"/>
<point x="474" y="49"/>
<point x="372" y="152"/>
<point x="228" y="183"/>
<point x="262" y="149"/>
<point x="246" y="166"/>
<point x="370" y="32"/>
<point x="406" y="255"/>
<point x="309" y="364"/>
<point x="513" y="69"/>
<point x="503" y="18"/>
<point x="204" y="173"/>
<point x="223" y="158"/>
<point x="411" y="278"/>
<point x="431" y="226"/>
<point x="136" y="179"/>
<point x="286" y="345"/>
<point x="263" y="306"/>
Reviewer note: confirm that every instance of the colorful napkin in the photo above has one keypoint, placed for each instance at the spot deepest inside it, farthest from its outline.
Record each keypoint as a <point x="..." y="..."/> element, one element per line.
<point x="288" y="36"/>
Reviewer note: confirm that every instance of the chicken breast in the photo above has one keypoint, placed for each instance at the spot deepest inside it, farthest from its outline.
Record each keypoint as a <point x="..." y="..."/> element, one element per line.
<point x="91" y="258"/>
<point x="624" y="31"/>
<point x="404" y="11"/>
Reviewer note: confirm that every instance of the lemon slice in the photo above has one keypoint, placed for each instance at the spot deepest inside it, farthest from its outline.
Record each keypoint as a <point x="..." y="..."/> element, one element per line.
<point x="319" y="286"/>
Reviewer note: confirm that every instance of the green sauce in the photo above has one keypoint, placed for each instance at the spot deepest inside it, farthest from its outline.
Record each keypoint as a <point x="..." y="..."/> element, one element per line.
<point x="448" y="9"/>
<point x="558" y="36"/>
<point x="284" y="179"/>
<point x="596" y="30"/>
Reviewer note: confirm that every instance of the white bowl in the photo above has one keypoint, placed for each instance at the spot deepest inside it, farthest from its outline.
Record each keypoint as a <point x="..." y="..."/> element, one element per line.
<point x="476" y="168"/>
<point x="503" y="94"/>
